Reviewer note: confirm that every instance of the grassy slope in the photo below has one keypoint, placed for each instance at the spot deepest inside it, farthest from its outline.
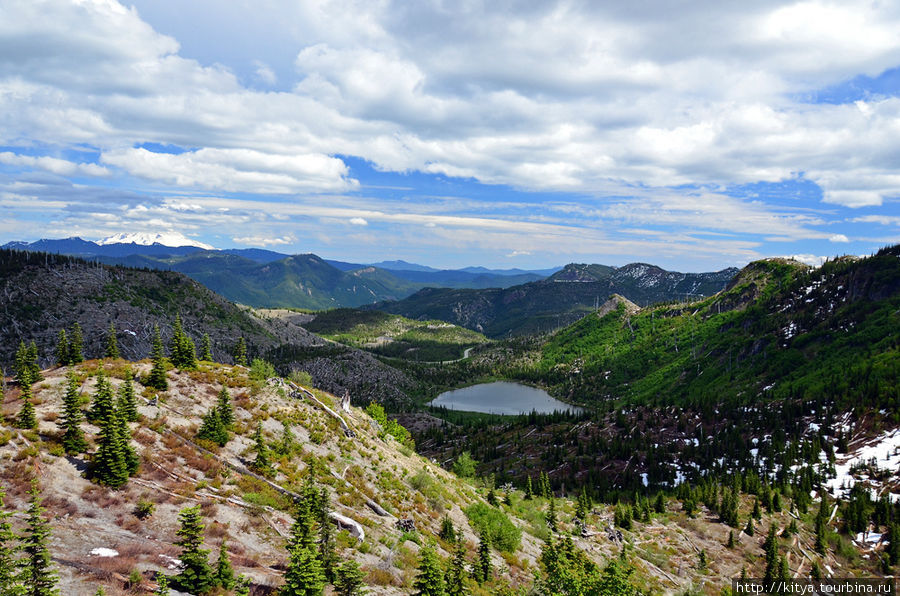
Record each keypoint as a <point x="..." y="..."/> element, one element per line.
<point x="254" y="518"/>
<point x="393" y="335"/>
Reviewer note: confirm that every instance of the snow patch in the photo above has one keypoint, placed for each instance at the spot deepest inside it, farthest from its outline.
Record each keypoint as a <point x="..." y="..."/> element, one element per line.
<point x="104" y="552"/>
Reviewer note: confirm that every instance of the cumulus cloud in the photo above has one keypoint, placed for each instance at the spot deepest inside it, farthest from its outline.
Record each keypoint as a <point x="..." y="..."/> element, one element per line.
<point x="618" y="103"/>
<point x="265" y="240"/>
<point x="358" y="221"/>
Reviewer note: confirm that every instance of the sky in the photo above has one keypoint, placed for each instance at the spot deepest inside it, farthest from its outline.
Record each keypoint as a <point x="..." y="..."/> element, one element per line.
<point x="693" y="135"/>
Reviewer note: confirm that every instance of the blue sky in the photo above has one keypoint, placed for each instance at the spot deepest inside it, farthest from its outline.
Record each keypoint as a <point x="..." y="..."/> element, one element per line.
<point x="503" y="134"/>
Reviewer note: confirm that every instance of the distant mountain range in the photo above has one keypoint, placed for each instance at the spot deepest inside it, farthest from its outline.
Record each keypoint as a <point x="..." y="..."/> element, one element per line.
<point x="495" y="302"/>
<point x="556" y="301"/>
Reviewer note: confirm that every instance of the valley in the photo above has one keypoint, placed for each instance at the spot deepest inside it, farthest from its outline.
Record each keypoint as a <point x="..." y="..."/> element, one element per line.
<point x="706" y="420"/>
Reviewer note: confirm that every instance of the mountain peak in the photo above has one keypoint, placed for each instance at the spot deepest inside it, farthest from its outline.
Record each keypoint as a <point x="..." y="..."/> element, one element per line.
<point x="173" y="239"/>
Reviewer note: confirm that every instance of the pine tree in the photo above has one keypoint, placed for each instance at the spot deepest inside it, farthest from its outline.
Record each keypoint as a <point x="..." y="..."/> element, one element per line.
<point x="127" y="403"/>
<point x="456" y="573"/>
<point x="21" y="366"/>
<point x="748" y="529"/>
<point x="226" y="411"/>
<point x="327" y="557"/>
<point x="262" y="463"/>
<point x="213" y="429"/>
<point x="240" y="352"/>
<point x="224" y="570"/>
<point x="349" y="579"/>
<point x="102" y="404"/>
<point x="109" y="465"/>
<point x="162" y="584"/>
<point x="430" y="581"/>
<point x="483" y="568"/>
<point x="112" y="346"/>
<point x="26" y="418"/>
<point x="303" y="576"/>
<point x="821" y="523"/>
<point x="73" y="440"/>
<point x="529" y="491"/>
<point x="816" y="571"/>
<point x="9" y="585"/>
<point x="129" y="455"/>
<point x="206" y="349"/>
<point x="157" y="377"/>
<point x="757" y="514"/>
<point x="545" y="485"/>
<point x="448" y="531"/>
<point x="76" y="344"/>
<point x="893" y="546"/>
<point x="34" y="369"/>
<point x="62" y="348"/>
<point x="772" y="563"/>
<point x="38" y="576"/>
<point x="730" y="543"/>
<point x="659" y="505"/>
<point x="551" y="515"/>
<point x="196" y="575"/>
<point x="183" y="353"/>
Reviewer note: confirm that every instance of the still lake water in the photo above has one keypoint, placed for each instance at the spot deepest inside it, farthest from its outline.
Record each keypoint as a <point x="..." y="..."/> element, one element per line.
<point x="501" y="397"/>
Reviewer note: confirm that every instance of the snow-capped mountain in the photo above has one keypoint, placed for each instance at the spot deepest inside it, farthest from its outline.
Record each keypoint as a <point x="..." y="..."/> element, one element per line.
<point x="173" y="239"/>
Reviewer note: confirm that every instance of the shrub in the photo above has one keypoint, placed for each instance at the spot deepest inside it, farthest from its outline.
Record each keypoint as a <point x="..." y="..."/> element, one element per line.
<point x="144" y="509"/>
<point x="494" y="523"/>
<point x="464" y="466"/>
<point x="260" y="370"/>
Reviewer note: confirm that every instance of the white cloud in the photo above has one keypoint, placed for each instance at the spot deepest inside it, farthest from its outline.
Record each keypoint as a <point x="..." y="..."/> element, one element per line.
<point x="52" y="164"/>
<point x="604" y="99"/>
<point x="838" y="238"/>
<point x="358" y="221"/>
<point x="265" y="240"/>
<point x="235" y="169"/>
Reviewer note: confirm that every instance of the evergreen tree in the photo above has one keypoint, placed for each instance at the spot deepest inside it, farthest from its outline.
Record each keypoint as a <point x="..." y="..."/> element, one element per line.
<point x="162" y="585"/>
<point x="659" y="505"/>
<point x="583" y="506"/>
<point x="110" y="465"/>
<point x="38" y="575"/>
<point x="226" y="411"/>
<point x="240" y="352"/>
<point x="102" y="404"/>
<point x="303" y="576"/>
<point x="129" y="455"/>
<point x="157" y="376"/>
<point x="286" y="444"/>
<point x="893" y="546"/>
<point x="112" y="345"/>
<point x="456" y="573"/>
<point x="551" y="515"/>
<point x="206" y="349"/>
<point x="213" y="429"/>
<point x="730" y="543"/>
<point x="816" y="571"/>
<point x="73" y="440"/>
<point x="482" y="569"/>
<point x="9" y="584"/>
<point x="748" y="529"/>
<point x="31" y="361"/>
<point x="327" y="556"/>
<point x="430" y="581"/>
<point x="26" y="418"/>
<point x="62" y="348"/>
<point x="21" y="367"/>
<point x="545" y="485"/>
<point x="772" y="562"/>
<point x="757" y="514"/>
<point x="492" y="498"/>
<point x="196" y="575"/>
<point x="76" y="344"/>
<point x="182" y="352"/>
<point x="262" y="463"/>
<point x="529" y="492"/>
<point x="821" y="523"/>
<point x="349" y="580"/>
<point x="448" y="531"/>
<point x="224" y="570"/>
<point x="127" y="403"/>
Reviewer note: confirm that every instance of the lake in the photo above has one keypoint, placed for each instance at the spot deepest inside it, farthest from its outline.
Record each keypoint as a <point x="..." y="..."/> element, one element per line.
<point x="501" y="397"/>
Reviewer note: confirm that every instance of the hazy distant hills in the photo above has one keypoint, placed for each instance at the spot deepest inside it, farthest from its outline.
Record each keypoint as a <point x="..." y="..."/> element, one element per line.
<point x="558" y="300"/>
<point x="264" y="278"/>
